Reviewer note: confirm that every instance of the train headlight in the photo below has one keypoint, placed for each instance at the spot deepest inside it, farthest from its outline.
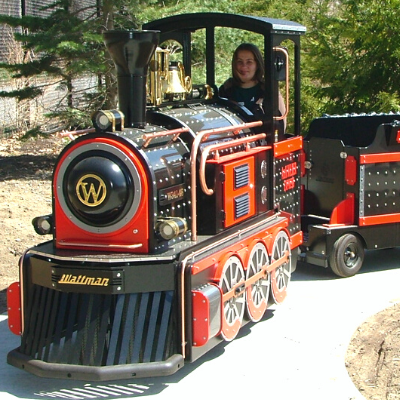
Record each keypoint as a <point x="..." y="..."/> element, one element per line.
<point x="43" y="225"/>
<point x="108" y="120"/>
<point x="170" y="228"/>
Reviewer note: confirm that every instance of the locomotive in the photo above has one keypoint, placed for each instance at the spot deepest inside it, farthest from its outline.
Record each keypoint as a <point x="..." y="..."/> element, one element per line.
<point x="174" y="222"/>
<point x="180" y="216"/>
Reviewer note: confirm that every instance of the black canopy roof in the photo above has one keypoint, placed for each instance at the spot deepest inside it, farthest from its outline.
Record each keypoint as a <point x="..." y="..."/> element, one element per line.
<point x="196" y="21"/>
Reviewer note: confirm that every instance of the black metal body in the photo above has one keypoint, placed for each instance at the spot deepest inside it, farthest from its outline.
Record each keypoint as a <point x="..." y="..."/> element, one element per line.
<point x="329" y="145"/>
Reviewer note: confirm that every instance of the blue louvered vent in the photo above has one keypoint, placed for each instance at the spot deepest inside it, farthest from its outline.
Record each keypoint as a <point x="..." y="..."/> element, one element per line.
<point x="241" y="176"/>
<point x="242" y="205"/>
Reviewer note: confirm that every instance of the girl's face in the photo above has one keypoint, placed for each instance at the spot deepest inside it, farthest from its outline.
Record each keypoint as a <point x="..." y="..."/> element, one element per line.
<point x="246" y="67"/>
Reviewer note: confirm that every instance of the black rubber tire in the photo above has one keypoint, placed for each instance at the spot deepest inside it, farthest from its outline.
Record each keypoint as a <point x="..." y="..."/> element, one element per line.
<point x="347" y="256"/>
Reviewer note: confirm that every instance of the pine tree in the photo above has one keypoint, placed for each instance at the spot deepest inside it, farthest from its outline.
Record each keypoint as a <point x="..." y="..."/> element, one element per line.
<point x="61" y="48"/>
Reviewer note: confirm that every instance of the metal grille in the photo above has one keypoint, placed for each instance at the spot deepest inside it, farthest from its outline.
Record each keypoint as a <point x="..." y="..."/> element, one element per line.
<point x="242" y="205"/>
<point x="241" y="175"/>
<point x="99" y="330"/>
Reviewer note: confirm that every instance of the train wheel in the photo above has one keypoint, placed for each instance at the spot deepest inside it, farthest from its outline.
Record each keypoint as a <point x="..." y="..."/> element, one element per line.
<point x="233" y="308"/>
<point x="280" y="277"/>
<point x="257" y="294"/>
<point x="347" y="256"/>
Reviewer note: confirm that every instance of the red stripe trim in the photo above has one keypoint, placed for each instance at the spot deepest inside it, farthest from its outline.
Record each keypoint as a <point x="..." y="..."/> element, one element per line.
<point x="379" y="219"/>
<point x="379" y="158"/>
<point x="296" y="240"/>
<point x="288" y="146"/>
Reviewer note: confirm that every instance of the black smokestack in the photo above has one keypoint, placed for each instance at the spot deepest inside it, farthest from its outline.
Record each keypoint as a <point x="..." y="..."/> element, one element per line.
<point x="131" y="52"/>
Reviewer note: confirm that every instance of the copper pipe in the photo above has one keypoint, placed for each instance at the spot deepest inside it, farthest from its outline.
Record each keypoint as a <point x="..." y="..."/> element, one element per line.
<point x="71" y="134"/>
<point x="21" y="291"/>
<point x="183" y="330"/>
<point x="148" y="137"/>
<point x="103" y="246"/>
<point x="222" y="146"/>
<point x="202" y="135"/>
<point x="284" y="51"/>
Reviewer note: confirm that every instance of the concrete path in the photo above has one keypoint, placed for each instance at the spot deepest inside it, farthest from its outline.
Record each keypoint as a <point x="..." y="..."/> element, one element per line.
<point x="296" y="352"/>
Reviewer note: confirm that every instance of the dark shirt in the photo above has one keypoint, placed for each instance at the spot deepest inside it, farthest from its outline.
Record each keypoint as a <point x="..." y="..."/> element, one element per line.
<point x="252" y="98"/>
<point x="247" y="97"/>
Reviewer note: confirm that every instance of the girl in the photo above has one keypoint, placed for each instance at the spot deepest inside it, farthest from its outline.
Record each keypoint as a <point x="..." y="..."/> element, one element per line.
<point x="246" y="87"/>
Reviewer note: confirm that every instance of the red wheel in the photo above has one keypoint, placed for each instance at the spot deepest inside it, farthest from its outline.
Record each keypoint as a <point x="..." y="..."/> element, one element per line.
<point x="257" y="294"/>
<point x="233" y="308"/>
<point x="280" y="277"/>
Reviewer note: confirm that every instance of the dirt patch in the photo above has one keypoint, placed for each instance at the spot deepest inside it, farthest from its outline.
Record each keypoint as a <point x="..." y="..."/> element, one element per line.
<point x="373" y="356"/>
<point x="25" y="192"/>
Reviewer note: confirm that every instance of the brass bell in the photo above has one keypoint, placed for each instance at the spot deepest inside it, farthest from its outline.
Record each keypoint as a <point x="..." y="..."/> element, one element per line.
<point x="175" y="84"/>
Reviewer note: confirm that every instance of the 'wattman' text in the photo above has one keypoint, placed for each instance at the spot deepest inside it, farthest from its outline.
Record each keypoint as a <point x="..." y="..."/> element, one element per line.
<point x="83" y="280"/>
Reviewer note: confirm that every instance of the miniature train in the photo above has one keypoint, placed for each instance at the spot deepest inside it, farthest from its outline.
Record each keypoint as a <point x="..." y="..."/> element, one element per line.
<point x="181" y="217"/>
<point x="351" y="189"/>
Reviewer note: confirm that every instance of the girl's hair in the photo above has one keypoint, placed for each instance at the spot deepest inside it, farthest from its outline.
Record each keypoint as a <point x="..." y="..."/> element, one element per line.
<point x="259" y="75"/>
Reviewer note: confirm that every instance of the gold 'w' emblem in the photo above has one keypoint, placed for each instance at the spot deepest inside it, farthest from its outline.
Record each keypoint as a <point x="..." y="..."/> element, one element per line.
<point x="91" y="190"/>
